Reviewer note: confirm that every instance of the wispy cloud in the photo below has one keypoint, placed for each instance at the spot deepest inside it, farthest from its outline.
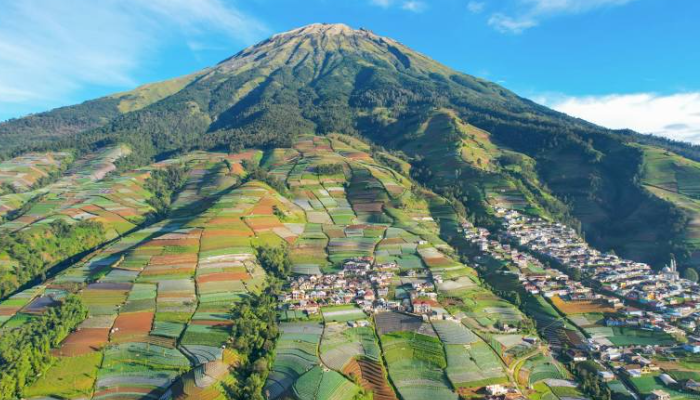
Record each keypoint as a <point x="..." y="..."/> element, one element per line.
<point x="476" y="7"/>
<point x="675" y="116"/>
<point x="520" y="15"/>
<point x="416" y="6"/>
<point x="506" y="24"/>
<point x="49" y="49"/>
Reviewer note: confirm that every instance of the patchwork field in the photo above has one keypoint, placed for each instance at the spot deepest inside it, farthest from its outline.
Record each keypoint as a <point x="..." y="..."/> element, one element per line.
<point x="159" y="294"/>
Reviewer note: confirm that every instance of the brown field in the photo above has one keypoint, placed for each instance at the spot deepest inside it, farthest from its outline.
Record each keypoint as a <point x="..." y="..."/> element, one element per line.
<point x="83" y="341"/>
<point x="436" y="261"/>
<point x="223" y="277"/>
<point x="133" y="324"/>
<point x="168" y="270"/>
<point x="259" y="224"/>
<point x="581" y="307"/>
<point x="174" y="259"/>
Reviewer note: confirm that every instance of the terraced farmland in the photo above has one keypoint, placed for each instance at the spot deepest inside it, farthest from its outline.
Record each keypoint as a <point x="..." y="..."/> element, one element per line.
<point x="159" y="293"/>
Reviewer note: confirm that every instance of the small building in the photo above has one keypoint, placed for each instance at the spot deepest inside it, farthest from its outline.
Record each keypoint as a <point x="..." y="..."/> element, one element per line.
<point x="606" y="376"/>
<point x="496" y="390"/>
<point x="422" y="306"/>
<point x="667" y="380"/>
<point x="692" y="347"/>
<point x="692" y="386"/>
<point x="659" y="395"/>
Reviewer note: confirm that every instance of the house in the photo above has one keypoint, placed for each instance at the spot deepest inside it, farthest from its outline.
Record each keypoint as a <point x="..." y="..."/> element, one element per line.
<point x="667" y="380"/>
<point x="658" y="395"/>
<point x="692" y="347"/>
<point x="496" y="390"/>
<point x="422" y="306"/>
<point x="692" y="386"/>
<point x="606" y="376"/>
<point x="634" y="372"/>
<point x="577" y="355"/>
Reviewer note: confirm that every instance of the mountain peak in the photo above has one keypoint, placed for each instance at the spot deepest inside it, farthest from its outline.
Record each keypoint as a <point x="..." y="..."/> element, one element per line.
<point x="319" y="29"/>
<point x="319" y="44"/>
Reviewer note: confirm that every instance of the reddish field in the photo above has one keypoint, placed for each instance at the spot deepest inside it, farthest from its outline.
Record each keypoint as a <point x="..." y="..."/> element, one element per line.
<point x="174" y="259"/>
<point x="183" y="242"/>
<point x="84" y="341"/>
<point x="436" y="262"/>
<point x="223" y="277"/>
<point x="262" y="223"/>
<point x="133" y="324"/>
<point x="168" y="270"/>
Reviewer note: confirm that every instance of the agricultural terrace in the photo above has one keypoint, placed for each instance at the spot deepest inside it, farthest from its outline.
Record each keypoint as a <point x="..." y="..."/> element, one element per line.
<point x="416" y="364"/>
<point x="470" y="361"/>
<point x="297" y="367"/>
<point x="159" y="298"/>
<point x="43" y="200"/>
<point x="355" y="207"/>
<point x="27" y="171"/>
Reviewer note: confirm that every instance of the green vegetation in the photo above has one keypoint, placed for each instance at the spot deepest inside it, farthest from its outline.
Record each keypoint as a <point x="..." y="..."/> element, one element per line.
<point x="253" y="335"/>
<point x="164" y="184"/>
<point x="275" y="259"/>
<point x="25" y="351"/>
<point x="37" y="252"/>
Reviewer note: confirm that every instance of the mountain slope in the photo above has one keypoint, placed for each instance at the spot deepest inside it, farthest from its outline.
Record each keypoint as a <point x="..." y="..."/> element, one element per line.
<point x="466" y="137"/>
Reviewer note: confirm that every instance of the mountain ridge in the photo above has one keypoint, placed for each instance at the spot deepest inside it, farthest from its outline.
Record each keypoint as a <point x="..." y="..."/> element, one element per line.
<point x="325" y="78"/>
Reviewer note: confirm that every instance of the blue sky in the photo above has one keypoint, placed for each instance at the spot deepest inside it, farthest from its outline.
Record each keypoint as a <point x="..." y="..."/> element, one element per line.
<point x="619" y="63"/>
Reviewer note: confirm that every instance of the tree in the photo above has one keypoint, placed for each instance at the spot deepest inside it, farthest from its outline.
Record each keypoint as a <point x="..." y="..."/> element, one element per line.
<point x="691" y="274"/>
<point x="275" y="259"/>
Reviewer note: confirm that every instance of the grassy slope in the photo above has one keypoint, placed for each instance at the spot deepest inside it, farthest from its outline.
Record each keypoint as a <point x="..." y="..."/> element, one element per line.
<point x="677" y="180"/>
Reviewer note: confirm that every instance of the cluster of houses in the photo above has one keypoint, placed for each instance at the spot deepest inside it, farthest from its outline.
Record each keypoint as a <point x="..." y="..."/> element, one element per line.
<point x="360" y="282"/>
<point x="365" y="283"/>
<point x="669" y="303"/>
<point x="675" y="302"/>
<point x="534" y="275"/>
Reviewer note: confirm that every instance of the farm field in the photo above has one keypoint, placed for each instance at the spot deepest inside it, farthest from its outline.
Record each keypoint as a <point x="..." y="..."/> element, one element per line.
<point x="159" y="294"/>
<point x="26" y="172"/>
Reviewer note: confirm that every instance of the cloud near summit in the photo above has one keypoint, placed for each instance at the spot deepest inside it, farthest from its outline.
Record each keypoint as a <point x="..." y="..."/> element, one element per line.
<point x="675" y="116"/>
<point x="49" y="49"/>
<point x="520" y="15"/>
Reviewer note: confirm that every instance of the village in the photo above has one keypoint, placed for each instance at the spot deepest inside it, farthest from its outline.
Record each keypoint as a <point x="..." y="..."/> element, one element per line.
<point x="363" y="283"/>
<point x="655" y="300"/>
<point x="635" y="296"/>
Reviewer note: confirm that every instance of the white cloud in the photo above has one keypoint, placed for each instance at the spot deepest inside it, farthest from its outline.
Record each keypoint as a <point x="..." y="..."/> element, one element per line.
<point x="506" y="24"/>
<point x="414" y="6"/>
<point x="525" y="14"/>
<point x="675" y="116"/>
<point x="476" y="7"/>
<point x="49" y="49"/>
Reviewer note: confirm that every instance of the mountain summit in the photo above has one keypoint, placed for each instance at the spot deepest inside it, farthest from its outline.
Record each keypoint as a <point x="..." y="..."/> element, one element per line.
<point x="470" y="139"/>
